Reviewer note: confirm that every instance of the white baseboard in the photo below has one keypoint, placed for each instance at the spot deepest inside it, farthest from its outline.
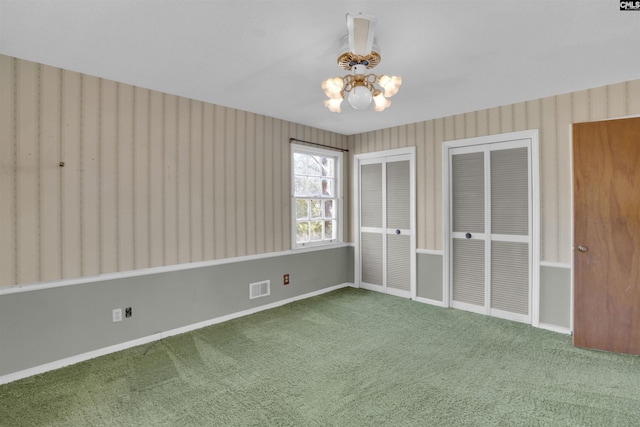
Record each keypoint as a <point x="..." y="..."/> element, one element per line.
<point x="155" y="337"/>
<point x="430" y="301"/>
<point x="555" y="265"/>
<point x="429" y="252"/>
<point x="388" y="291"/>
<point x="555" y="328"/>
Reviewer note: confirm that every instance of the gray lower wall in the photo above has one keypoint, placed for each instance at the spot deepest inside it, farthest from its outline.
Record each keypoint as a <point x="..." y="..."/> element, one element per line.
<point x="42" y="326"/>
<point x="555" y="296"/>
<point x="429" y="276"/>
<point x="555" y="288"/>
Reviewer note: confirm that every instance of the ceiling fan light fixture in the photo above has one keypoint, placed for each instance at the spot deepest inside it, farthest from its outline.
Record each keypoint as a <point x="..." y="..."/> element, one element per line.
<point x="360" y="87"/>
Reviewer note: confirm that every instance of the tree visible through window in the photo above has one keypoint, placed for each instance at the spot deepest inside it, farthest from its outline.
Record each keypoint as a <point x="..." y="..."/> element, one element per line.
<point x="315" y="195"/>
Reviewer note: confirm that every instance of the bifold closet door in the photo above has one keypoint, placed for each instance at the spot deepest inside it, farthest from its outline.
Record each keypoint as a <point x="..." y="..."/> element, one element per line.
<point x="490" y="229"/>
<point x="386" y="225"/>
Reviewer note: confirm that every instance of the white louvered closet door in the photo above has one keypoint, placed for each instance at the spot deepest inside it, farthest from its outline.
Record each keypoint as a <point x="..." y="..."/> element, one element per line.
<point x="386" y="226"/>
<point x="398" y="226"/>
<point x="468" y="248"/>
<point x="371" y="231"/>
<point x="490" y="197"/>
<point x="510" y="240"/>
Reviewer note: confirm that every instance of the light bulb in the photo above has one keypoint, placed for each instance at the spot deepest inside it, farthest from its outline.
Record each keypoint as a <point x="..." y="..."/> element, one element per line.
<point x="360" y="97"/>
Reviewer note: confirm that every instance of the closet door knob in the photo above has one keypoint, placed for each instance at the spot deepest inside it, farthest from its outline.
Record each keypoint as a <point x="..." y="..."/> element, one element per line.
<point x="468" y="235"/>
<point x="398" y="232"/>
<point x="582" y="248"/>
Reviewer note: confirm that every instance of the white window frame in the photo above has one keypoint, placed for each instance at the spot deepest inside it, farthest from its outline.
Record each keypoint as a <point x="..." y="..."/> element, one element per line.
<point x="315" y="151"/>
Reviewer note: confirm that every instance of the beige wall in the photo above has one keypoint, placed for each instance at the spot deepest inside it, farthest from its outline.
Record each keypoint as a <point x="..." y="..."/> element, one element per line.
<point x="552" y="116"/>
<point x="149" y="179"/>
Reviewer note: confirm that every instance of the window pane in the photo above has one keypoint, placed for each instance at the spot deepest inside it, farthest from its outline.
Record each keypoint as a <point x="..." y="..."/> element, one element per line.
<point x="302" y="232"/>
<point x="314" y="167"/>
<point x="300" y="189"/>
<point x="316" y="208"/>
<point x="316" y="230"/>
<point x="327" y="187"/>
<point x="327" y="166"/>
<point x="328" y="208"/>
<point x="302" y="209"/>
<point x="314" y="187"/>
<point x="329" y="230"/>
<point x="299" y="164"/>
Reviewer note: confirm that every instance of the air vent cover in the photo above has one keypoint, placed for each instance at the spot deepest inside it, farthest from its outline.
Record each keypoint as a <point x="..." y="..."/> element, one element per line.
<point x="259" y="289"/>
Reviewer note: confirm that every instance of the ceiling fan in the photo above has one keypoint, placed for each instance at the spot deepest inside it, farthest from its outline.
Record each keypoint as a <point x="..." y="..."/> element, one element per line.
<point x="359" y="53"/>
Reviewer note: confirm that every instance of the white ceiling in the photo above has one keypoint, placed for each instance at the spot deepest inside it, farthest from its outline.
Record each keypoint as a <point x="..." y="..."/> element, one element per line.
<point x="270" y="57"/>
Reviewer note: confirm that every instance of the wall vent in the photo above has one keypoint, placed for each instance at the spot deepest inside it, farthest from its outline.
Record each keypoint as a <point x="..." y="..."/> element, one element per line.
<point x="259" y="289"/>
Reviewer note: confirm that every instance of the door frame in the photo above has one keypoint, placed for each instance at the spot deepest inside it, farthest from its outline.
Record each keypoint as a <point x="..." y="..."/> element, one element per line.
<point x="357" y="160"/>
<point x="534" y="274"/>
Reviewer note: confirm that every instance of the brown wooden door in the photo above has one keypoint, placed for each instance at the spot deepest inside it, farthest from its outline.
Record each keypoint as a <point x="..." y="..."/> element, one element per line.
<point x="606" y="158"/>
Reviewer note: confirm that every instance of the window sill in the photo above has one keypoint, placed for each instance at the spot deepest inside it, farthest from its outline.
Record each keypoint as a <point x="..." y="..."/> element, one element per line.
<point x="319" y="246"/>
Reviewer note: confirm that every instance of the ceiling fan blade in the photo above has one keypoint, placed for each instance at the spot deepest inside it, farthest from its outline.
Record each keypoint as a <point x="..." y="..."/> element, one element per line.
<point x="361" y="31"/>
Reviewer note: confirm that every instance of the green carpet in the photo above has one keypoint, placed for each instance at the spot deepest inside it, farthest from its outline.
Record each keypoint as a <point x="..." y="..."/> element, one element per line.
<point x="347" y="358"/>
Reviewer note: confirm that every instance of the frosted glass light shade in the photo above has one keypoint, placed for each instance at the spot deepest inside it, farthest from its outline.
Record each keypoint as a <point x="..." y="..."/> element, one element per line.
<point x="333" y="87"/>
<point x="333" y="104"/>
<point x="381" y="102"/>
<point x="391" y="85"/>
<point x="360" y="97"/>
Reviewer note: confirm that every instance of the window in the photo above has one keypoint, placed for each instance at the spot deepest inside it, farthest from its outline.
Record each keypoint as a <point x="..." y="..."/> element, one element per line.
<point x="316" y="184"/>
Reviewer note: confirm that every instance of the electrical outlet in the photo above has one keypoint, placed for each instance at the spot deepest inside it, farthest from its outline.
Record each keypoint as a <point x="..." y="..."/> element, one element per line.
<point x="286" y="279"/>
<point x="128" y="312"/>
<point x="116" y="315"/>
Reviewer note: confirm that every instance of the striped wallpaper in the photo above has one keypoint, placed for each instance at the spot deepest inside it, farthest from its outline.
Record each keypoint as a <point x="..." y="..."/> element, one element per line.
<point x="152" y="179"/>
<point x="99" y="177"/>
<point x="552" y="116"/>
